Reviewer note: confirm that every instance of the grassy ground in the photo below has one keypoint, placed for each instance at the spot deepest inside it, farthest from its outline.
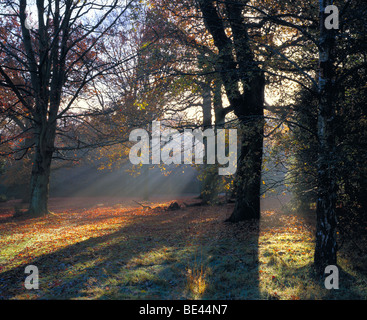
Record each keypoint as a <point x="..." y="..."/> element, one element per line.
<point x="116" y="250"/>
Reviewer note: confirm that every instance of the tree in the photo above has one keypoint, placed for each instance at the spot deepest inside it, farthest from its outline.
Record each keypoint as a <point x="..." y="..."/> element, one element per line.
<point x="326" y="249"/>
<point x="58" y="59"/>
<point x="248" y="105"/>
<point x="324" y="117"/>
<point x="329" y="155"/>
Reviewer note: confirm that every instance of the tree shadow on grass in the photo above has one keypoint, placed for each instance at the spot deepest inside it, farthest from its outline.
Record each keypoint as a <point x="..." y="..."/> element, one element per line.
<point x="154" y="257"/>
<point x="233" y="262"/>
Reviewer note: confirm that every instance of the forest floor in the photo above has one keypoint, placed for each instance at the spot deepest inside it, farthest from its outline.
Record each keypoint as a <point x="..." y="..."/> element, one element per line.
<point x="115" y="249"/>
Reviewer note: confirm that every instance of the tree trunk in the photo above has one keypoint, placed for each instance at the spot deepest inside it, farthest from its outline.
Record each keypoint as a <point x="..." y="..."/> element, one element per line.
<point x="326" y="245"/>
<point x="247" y="106"/>
<point x="219" y="110"/>
<point x="207" y="105"/>
<point x="41" y="171"/>
<point x="248" y="177"/>
<point x="146" y="182"/>
<point x="210" y="186"/>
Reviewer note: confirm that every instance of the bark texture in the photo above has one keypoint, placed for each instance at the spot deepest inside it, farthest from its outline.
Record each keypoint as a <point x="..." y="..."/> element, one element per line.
<point x="326" y="244"/>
